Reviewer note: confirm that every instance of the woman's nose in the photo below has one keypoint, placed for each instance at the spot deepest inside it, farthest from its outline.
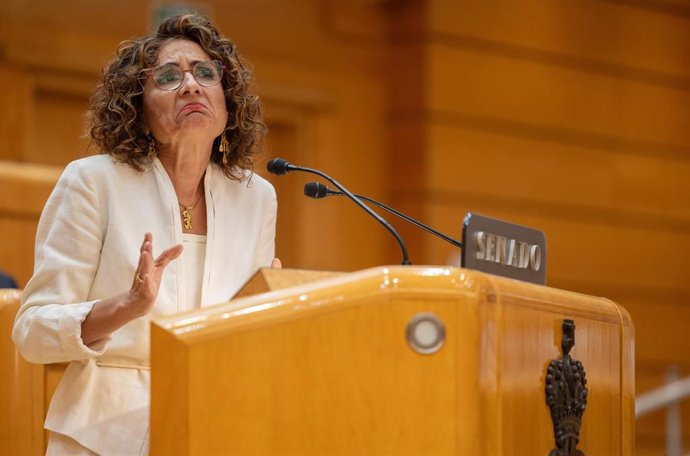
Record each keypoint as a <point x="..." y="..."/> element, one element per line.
<point x="189" y="83"/>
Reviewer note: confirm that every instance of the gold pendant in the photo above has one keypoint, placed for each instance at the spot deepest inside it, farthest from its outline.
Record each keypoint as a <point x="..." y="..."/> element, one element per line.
<point x="187" y="218"/>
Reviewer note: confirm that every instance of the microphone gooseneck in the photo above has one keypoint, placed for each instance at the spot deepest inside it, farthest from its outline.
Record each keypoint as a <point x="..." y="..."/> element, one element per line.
<point x="278" y="166"/>
<point x="317" y="190"/>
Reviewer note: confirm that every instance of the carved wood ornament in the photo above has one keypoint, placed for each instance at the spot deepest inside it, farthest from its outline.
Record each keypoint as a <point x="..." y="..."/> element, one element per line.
<point x="566" y="396"/>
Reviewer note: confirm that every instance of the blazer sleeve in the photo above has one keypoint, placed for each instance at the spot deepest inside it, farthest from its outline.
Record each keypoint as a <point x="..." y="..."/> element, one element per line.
<point x="70" y="235"/>
<point x="267" y="246"/>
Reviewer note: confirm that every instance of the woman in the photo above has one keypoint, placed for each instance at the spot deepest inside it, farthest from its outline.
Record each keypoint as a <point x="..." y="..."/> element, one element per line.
<point x="178" y="129"/>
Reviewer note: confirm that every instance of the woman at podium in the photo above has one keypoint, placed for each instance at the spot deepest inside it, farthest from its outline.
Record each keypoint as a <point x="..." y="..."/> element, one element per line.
<point x="168" y="218"/>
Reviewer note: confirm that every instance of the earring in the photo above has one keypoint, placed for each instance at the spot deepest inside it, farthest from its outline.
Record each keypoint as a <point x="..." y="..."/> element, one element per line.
<point x="152" y="148"/>
<point x="223" y="148"/>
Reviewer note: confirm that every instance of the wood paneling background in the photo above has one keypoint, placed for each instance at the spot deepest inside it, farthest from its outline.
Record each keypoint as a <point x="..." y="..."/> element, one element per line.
<point x="571" y="117"/>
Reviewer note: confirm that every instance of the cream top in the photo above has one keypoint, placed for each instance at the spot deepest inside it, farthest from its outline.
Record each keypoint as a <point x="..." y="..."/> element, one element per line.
<point x="193" y="256"/>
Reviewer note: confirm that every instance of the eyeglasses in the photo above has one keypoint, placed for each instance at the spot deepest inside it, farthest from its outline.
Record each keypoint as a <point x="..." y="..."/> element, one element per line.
<point x="170" y="76"/>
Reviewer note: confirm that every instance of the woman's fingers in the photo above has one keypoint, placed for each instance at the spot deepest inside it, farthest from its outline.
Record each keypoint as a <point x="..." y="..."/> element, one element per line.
<point x="147" y="263"/>
<point x="147" y="245"/>
<point x="148" y="274"/>
<point x="147" y="277"/>
<point x="276" y="263"/>
<point x="143" y="271"/>
<point x="141" y="249"/>
<point x="141" y="268"/>
<point x="168" y="255"/>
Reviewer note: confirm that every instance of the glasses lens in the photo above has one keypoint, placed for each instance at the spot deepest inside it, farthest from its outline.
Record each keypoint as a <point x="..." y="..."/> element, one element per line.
<point x="208" y="73"/>
<point x="167" y="77"/>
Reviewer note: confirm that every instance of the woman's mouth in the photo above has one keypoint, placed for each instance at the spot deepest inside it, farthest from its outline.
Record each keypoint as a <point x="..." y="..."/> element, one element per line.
<point x="193" y="107"/>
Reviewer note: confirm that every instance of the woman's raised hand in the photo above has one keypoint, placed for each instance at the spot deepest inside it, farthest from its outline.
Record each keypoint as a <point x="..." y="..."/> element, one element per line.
<point x="147" y="278"/>
<point x="113" y="313"/>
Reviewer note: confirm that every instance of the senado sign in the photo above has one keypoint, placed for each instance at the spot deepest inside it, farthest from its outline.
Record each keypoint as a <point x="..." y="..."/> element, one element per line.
<point x="508" y="252"/>
<point x="502" y="248"/>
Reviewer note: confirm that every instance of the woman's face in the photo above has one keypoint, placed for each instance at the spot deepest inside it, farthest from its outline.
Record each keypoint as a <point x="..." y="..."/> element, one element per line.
<point x="191" y="111"/>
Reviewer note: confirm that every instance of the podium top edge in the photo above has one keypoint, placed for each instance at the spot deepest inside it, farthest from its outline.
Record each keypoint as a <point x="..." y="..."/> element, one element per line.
<point x="373" y="285"/>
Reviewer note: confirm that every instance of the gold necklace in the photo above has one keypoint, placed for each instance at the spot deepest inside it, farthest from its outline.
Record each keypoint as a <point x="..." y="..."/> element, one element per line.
<point x="187" y="213"/>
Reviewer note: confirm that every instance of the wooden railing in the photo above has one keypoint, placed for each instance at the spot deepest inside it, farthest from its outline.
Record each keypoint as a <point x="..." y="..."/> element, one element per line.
<point x="25" y="389"/>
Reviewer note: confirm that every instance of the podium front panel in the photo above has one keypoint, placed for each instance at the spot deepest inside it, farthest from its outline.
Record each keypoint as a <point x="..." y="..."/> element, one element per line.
<point x="326" y="368"/>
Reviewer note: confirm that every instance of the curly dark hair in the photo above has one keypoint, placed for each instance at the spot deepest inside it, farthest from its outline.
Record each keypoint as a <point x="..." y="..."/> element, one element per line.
<point x="115" y="116"/>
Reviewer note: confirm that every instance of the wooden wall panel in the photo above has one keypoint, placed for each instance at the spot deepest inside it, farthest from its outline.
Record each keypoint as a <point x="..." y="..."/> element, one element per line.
<point x="337" y="119"/>
<point x="631" y="39"/>
<point x="600" y="185"/>
<point x="575" y="102"/>
<point x="48" y="38"/>
<point x="15" y="90"/>
<point x="24" y="190"/>
<point x="658" y="342"/>
<point x="307" y="33"/>
<point x="57" y="129"/>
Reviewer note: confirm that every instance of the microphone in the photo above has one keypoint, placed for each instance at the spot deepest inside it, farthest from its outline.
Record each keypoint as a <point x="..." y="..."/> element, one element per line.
<point x="278" y="166"/>
<point x="317" y="190"/>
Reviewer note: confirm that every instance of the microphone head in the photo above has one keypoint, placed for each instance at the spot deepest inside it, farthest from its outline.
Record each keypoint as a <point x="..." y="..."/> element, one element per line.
<point x="278" y="166"/>
<point x="316" y="190"/>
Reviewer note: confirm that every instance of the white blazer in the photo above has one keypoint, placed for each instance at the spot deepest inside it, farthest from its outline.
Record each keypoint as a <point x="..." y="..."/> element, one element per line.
<point x="87" y="248"/>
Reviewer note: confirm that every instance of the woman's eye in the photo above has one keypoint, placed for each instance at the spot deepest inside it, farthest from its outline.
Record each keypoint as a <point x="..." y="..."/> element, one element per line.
<point x="167" y="76"/>
<point x="205" y="73"/>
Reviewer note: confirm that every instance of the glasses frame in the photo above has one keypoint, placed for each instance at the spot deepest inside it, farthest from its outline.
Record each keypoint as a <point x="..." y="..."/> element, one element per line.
<point x="149" y="72"/>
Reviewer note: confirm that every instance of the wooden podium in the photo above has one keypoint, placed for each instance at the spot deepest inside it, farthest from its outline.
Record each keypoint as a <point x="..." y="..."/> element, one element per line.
<point x="326" y="367"/>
